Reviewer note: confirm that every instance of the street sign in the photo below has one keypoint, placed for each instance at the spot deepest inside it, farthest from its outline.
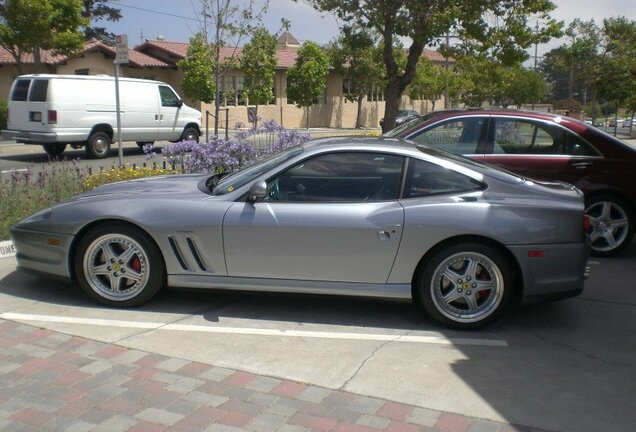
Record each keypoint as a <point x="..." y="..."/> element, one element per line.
<point x="121" y="49"/>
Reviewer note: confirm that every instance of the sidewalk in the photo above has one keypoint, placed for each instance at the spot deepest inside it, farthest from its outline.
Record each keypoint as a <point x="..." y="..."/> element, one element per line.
<point x="51" y="381"/>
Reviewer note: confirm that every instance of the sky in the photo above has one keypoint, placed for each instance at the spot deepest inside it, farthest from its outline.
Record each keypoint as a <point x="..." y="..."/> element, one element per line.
<point x="177" y="20"/>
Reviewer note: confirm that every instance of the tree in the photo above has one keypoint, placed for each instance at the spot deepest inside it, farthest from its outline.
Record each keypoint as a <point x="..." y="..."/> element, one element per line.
<point x="231" y="23"/>
<point x="258" y="62"/>
<point x="355" y="56"/>
<point x="97" y="10"/>
<point x="307" y="78"/>
<point x="26" y="26"/>
<point x="429" y="82"/>
<point x="526" y="86"/>
<point x="500" y="27"/>
<point x="197" y="70"/>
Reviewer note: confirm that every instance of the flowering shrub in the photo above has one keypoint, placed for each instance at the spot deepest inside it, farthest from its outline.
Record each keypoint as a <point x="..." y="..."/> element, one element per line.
<point x="242" y="149"/>
<point x="121" y="174"/>
<point x="24" y="193"/>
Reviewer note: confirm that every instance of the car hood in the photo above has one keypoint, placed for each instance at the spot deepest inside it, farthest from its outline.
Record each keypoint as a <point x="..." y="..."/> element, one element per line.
<point x="155" y="186"/>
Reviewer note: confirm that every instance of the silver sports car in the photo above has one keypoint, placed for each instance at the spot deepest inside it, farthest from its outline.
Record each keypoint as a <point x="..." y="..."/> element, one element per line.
<point x="351" y="216"/>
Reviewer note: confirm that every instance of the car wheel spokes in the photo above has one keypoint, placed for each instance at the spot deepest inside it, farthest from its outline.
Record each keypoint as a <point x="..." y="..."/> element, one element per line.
<point x="467" y="287"/>
<point x="116" y="267"/>
<point x="610" y="225"/>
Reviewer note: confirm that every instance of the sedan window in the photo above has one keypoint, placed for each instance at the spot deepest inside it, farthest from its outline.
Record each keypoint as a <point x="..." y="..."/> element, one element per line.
<point x="427" y="179"/>
<point x="340" y="177"/>
<point x="460" y="136"/>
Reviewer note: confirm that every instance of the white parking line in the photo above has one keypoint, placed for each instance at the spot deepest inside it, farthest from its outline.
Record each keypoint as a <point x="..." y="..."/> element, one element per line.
<point x="439" y="340"/>
<point x="13" y="170"/>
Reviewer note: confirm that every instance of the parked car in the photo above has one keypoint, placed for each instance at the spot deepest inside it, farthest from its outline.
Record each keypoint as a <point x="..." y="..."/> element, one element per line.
<point x="56" y="110"/>
<point x="402" y="117"/>
<point x="349" y="216"/>
<point x="547" y="147"/>
<point x="615" y="122"/>
<point x="629" y="122"/>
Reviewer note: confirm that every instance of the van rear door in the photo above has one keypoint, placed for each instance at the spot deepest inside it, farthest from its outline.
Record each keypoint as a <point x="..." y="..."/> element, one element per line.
<point x="28" y="108"/>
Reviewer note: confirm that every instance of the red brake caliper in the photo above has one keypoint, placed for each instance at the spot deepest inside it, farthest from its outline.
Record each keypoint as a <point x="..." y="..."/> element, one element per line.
<point x="136" y="264"/>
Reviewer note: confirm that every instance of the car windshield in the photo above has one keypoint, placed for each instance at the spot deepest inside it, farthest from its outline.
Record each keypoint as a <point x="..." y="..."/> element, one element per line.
<point x="244" y="176"/>
<point x="420" y="119"/>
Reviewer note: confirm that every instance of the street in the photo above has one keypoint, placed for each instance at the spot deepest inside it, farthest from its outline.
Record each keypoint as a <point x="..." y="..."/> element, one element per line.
<point x="565" y="366"/>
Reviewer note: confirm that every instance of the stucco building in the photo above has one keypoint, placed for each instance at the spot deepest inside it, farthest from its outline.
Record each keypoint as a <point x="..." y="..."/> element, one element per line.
<point x="157" y="59"/>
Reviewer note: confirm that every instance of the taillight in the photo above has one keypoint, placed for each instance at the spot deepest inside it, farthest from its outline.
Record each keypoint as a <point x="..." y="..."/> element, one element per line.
<point x="52" y="116"/>
<point x="587" y="224"/>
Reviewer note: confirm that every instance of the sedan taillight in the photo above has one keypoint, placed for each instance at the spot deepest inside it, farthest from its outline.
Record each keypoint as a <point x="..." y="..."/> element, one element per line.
<point x="587" y="224"/>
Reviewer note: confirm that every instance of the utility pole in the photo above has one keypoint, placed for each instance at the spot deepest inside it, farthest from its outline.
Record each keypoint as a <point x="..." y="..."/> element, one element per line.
<point x="536" y="45"/>
<point x="217" y="78"/>
<point x="446" y="67"/>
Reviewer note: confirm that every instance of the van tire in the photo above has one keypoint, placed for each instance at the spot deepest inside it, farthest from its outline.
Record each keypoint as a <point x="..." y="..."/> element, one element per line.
<point x="98" y="145"/>
<point x="190" y="134"/>
<point x="55" y="149"/>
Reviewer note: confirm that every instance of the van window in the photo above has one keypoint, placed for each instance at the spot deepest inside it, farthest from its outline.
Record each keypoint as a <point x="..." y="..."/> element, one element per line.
<point x="168" y="97"/>
<point x="20" y="90"/>
<point x="38" y="91"/>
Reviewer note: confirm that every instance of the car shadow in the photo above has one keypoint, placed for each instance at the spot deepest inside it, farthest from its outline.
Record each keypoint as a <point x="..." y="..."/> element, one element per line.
<point x="40" y="157"/>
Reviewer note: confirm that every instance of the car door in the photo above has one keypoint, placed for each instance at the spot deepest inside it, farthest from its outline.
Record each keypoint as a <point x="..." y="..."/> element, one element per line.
<point x="464" y="135"/>
<point x="168" y="117"/>
<point x="333" y="217"/>
<point x="539" y="149"/>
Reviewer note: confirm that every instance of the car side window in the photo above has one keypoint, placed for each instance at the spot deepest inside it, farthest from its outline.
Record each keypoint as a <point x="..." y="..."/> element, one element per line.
<point x="428" y="179"/>
<point x="168" y="97"/>
<point x="339" y="177"/>
<point x="460" y="136"/>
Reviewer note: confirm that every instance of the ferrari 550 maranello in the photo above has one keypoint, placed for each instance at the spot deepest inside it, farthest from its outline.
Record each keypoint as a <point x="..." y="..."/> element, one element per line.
<point x="350" y="216"/>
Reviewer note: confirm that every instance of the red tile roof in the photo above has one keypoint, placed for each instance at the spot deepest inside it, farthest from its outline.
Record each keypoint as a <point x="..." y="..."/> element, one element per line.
<point x="135" y="58"/>
<point x="46" y="57"/>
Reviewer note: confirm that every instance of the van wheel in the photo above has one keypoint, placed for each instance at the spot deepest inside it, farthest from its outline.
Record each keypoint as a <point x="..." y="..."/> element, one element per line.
<point x="98" y="145"/>
<point x="190" y="134"/>
<point x="54" y="149"/>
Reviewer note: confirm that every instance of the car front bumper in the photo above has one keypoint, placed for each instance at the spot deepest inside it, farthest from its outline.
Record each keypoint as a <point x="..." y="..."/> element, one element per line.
<point x="42" y="252"/>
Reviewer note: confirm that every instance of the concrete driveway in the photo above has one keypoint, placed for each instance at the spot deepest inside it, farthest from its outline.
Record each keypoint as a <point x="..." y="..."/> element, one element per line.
<point x="565" y="366"/>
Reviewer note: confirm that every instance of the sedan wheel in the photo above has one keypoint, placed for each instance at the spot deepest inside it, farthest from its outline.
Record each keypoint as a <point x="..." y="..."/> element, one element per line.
<point x="465" y="286"/>
<point x="612" y="225"/>
<point x="119" y="266"/>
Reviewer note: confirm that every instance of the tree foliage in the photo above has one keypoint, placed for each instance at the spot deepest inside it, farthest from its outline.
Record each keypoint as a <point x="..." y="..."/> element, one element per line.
<point x="26" y="26"/>
<point x="98" y="10"/>
<point x="198" y="83"/>
<point x="497" y="27"/>
<point x="429" y="82"/>
<point x="258" y="62"/>
<point x="307" y="78"/>
<point x="355" y="56"/>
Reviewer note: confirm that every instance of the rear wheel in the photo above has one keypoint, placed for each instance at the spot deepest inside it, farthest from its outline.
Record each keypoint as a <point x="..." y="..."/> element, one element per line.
<point x="190" y="134"/>
<point x="98" y="145"/>
<point x="55" y="149"/>
<point x="465" y="285"/>
<point x="119" y="266"/>
<point x="612" y="224"/>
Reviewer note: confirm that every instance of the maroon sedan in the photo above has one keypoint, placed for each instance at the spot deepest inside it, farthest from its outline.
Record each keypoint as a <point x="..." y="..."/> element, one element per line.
<point x="545" y="147"/>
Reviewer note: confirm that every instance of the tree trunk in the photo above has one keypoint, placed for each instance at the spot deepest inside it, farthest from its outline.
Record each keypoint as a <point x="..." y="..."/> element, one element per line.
<point x="432" y="105"/>
<point x="359" y="112"/>
<point x="391" y="105"/>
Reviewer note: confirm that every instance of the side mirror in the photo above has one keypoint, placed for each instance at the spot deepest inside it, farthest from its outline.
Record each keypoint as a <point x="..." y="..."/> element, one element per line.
<point x="179" y="103"/>
<point x="258" y="191"/>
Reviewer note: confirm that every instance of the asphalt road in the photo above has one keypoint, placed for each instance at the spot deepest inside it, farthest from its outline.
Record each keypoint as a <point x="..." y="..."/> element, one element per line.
<point x="563" y="366"/>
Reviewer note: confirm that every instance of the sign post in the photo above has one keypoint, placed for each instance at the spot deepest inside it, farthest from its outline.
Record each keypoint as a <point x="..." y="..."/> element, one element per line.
<point x="121" y="57"/>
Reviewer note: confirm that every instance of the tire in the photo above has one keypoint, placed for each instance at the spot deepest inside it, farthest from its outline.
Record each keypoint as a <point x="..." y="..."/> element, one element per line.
<point x="612" y="221"/>
<point x="190" y="134"/>
<point x="55" y="149"/>
<point x="119" y="266"/>
<point x="448" y="285"/>
<point x="98" y="145"/>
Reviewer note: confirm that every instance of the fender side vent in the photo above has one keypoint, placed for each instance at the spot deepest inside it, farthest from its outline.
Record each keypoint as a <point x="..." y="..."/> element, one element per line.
<point x="177" y="253"/>
<point x="195" y="254"/>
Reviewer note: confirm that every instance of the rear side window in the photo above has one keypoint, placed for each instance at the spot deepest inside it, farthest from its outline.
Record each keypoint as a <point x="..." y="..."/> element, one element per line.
<point x="38" y="91"/>
<point x="459" y="136"/>
<point x="427" y="179"/>
<point x="20" y="90"/>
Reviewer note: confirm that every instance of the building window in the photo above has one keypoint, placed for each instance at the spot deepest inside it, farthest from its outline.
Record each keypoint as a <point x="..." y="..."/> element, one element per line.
<point x="81" y="71"/>
<point x="233" y="93"/>
<point x="376" y="94"/>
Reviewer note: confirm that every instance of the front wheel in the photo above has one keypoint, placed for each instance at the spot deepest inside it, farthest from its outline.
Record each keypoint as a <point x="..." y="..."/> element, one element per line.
<point x="119" y="266"/>
<point x="98" y="145"/>
<point x="465" y="286"/>
<point x="190" y="134"/>
<point x="55" y="149"/>
<point x="612" y="221"/>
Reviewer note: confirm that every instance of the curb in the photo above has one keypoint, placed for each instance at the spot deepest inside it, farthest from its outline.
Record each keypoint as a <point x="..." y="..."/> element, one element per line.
<point x="7" y="249"/>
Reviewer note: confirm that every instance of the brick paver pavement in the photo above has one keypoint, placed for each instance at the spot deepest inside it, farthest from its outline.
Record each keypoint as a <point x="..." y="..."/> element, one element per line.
<point x="50" y="381"/>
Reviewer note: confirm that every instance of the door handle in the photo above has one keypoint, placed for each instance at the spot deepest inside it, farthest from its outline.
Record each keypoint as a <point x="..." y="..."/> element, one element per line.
<point x="581" y="165"/>
<point x="156" y="116"/>
<point x="383" y="235"/>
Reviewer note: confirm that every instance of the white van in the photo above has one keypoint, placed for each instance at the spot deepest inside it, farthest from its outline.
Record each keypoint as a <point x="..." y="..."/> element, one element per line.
<point x="56" y="110"/>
